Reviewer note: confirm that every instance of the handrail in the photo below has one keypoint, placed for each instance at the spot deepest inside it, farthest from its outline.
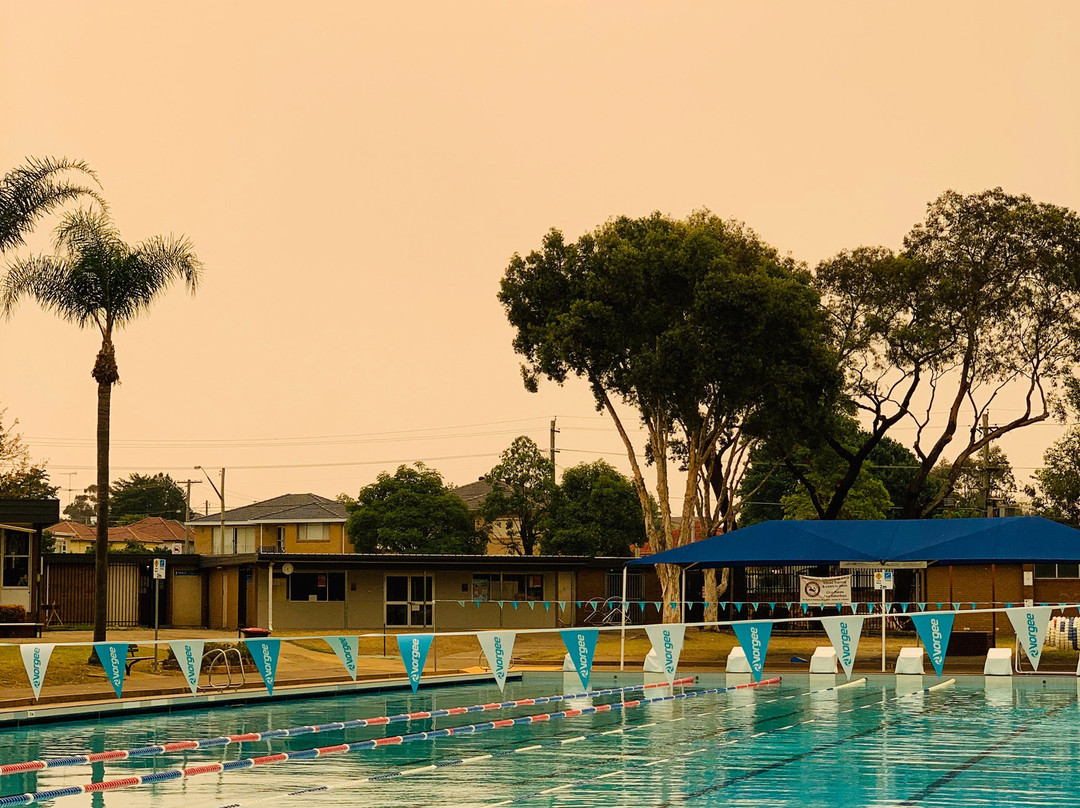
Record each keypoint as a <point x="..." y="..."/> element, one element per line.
<point x="221" y="655"/>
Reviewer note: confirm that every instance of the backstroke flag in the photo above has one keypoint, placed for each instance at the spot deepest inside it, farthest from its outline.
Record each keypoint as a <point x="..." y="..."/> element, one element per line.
<point x="345" y="648"/>
<point x="934" y="630"/>
<point x="188" y="655"/>
<point x="414" y="650"/>
<point x="753" y="636"/>
<point x="1029" y="623"/>
<point x="265" y="653"/>
<point x="113" y="656"/>
<point x="844" y="632"/>
<point x="581" y="645"/>
<point x="36" y="660"/>
<point x="498" y="647"/>
<point x="667" y="641"/>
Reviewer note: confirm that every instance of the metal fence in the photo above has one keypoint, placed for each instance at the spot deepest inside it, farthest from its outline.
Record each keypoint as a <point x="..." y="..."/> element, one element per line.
<point x="68" y="586"/>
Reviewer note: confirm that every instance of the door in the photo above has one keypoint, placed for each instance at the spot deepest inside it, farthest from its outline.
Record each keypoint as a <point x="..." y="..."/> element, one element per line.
<point x="408" y="600"/>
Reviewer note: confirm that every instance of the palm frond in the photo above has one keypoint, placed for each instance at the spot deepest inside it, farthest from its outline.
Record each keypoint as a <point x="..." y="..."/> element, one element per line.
<point x="54" y="284"/>
<point x="33" y="190"/>
<point x="148" y="270"/>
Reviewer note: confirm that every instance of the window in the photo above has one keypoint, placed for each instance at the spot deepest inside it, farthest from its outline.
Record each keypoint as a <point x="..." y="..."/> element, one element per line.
<point x="16" y="558"/>
<point x="316" y="587"/>
<point x="1057" y="570"/>
<point x="314" y="531"/>
<point x="507" y="586"/>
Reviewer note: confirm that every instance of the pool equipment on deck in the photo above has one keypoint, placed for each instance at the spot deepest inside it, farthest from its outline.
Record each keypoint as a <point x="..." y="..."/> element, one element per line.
<point x="910" y="661"/>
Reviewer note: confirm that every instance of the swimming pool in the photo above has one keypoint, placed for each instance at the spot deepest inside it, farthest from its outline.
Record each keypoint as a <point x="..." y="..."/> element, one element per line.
<point x="1015" y="743"/>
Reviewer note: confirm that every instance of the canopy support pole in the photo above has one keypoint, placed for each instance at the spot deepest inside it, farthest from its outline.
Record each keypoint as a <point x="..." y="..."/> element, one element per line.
<point x="622" y="628"/>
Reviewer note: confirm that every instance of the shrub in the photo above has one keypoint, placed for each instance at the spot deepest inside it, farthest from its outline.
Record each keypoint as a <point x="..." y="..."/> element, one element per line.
<point x="12" y="613"/>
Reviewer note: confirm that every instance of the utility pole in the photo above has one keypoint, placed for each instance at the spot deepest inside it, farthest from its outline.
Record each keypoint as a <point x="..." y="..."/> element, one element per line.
<point x="987" y="503"/>
<point x="552" y="448"/>
<point x="221" y="495"/>
<point x="187" y="511"/>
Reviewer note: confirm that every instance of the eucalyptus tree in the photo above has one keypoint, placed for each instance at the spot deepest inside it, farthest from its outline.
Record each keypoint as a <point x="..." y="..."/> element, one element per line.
<point x="94" y="279"/>
<point x="31" y="191"/>
<point x="522" y="483"/>
<point x="696" y="325"/>
<point x="983" y="301"/>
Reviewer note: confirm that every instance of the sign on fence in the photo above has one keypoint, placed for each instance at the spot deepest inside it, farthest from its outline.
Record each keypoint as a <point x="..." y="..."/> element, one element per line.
<point x="825" y="591"/>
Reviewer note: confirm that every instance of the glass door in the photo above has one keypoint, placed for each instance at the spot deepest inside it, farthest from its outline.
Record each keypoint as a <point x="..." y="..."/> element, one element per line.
<point x="408" y="600"/>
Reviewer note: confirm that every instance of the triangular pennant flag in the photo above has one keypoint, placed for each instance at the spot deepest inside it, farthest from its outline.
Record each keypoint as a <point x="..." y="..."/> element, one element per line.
<point x="722" y="605"/>
<point x="939" y="607"/>
<point x="1029" y="623"/>
<point x="806" y="608"/>
<point x="461" y="603"/>
<point x="753" y="636"/>
<point x="498" y="648"/>
<point x="1008" y="605"/>
<point x="579" y="604"/>
<point x="581" y="645"/>
<point x="974" y="605"/>
<point x="36" y="660"/>
<point x="934" y="631"/>
<point x="514" y="603"/>
<point x="754" y="606"/>
<point x="839" y="606"/>
<point x="772" y="604"/>
<point x="674" y="605"/>
<point x="532" y="604"/>
<point x="265" y="653"/>
<point x="922" y="607"/>
<point x="414" y="650"/>
<point x="844" y="633"/>
<point x="189" y="655"/>
<point x="956" y="607"/>
<point x="477" y="603"/>
<point x="547" y="605"/>
<point x="667" y="641"/>
<point x="346" y="649"/>
<point x="904" y="607"/>
<point x="641" y="605"/>
<point x="870" y="608"/>
<point x="706" y="604"/>
<point x="658" y="604"/>
<point x="113" y="656"/>
<point x="737" y="606"/>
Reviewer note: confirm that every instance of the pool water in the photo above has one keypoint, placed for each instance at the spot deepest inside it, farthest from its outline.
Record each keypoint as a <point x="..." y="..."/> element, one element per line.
<point x="975" y="743"/>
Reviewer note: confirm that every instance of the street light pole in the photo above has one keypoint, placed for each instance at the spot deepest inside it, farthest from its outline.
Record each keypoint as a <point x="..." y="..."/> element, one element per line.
<point x="221" y="495"/>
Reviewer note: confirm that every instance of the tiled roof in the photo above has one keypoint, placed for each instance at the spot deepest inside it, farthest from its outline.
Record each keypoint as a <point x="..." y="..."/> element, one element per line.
<point x="473" y="493"/>
<point x="286" y="508"/>
<point x="151" y="530"/>
<point x="157" y="529"/>
<point x="75" y="530"/>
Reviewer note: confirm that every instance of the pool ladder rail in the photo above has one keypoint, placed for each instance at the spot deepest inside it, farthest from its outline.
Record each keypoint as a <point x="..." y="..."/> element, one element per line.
<point x="220" y="657"/>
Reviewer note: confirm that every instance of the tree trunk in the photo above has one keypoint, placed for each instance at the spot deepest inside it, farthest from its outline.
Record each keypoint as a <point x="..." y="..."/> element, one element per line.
<point x="711" y="592"/>
<point x="670" y="576"/>
<point x="101" y="549"/>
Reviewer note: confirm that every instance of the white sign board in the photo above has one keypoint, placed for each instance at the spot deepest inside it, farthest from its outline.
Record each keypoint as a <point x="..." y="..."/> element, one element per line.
<point x="825" y="591"/>
<point x="159" y="569"/>
<point x="883" y="579"/>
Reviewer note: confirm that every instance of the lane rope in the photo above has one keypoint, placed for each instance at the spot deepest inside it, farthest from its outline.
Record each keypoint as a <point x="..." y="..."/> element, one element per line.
<point x="325" y="751"/>
<point x="293" y="732"/>
<point x="533" y="747"/>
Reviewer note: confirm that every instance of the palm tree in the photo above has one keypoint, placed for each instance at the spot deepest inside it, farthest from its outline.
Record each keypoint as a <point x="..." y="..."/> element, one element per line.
<point x="33" y="190"/>
<point x="95" y="279"/>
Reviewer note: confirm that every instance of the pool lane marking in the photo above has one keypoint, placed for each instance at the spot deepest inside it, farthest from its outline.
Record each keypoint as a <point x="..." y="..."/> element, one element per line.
<point x="974" y="760"/>
<point x="30" y="798"/>
<point x="539" y="746"/>
<point x="711" y="747"/>
<point x="293" y="732"/>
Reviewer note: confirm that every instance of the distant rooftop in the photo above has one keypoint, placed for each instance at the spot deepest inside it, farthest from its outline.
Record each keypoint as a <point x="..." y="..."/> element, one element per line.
<point x="283" y="509"/>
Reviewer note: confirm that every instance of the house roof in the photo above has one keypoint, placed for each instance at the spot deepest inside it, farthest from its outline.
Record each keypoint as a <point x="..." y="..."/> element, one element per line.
<point x="284" y="509"/>
<point x="473" y="493"/>
<point x="151" y="530"/>
<point x="75" y="530"/>
<point x="1015" y="539"/>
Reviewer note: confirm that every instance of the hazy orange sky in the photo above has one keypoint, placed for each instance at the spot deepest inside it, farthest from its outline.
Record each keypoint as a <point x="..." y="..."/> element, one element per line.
<point x="355" y="177"/>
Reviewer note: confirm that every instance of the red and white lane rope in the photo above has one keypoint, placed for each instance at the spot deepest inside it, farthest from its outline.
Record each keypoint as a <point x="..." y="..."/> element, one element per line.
<point x="308" y="754"/>
<point x="293" y="732"/>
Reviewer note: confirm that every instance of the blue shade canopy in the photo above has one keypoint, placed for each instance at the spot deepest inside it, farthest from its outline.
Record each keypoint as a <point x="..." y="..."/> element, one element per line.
<point x="1016" y="539"/>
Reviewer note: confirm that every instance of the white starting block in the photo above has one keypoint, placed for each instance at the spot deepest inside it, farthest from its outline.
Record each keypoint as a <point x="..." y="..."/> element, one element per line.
<point x="568" y="664"/>
<point x="910" y="661"/>
<point x="737" y="661"/>
<point x="998" y="662"/>
<point x="652" y="663"/>
<point x="824" y="660"/>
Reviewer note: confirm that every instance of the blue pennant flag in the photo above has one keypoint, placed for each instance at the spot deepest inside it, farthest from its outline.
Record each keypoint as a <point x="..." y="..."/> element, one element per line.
<point x="414" y="650"/>
<point x="922" y="607"/>
<point x="753" y="636"/>
<point x="870" y="608"/>
<point x="461" y="603"/>
<point x="974" y="605"/>
<point x="658" y="604"/>
<point x="578" y="603"/>
<point x="839" y="606"/>
<point x="956" y="607"/>
<point x="904" y="607"/>
<point x="722" y="605"/>
<point x="772" y="604"/>
<point x="265" y="653"/>
<point x="477" y="603"/>
<point x="806" y="608"/>
<point x="547" y="605"/>
<point x="641" y="605"/>
<point x="934" y="631"/>
<point x="737" y="605"/>
<point x="581" y="645"/>
<point x="113" y="657"/>
<point x="754" y="606"/>
<point x="939" y="607"/>
<point x="532" y="605"/>
<point x="674" y="605"/>
<point x="706" y="604"/>
<point x="514" y="603"/>
<point x="1008" y="605"/>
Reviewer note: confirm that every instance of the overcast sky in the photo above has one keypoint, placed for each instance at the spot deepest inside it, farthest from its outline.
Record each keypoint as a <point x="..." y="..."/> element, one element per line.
<point x="355" y="177"/>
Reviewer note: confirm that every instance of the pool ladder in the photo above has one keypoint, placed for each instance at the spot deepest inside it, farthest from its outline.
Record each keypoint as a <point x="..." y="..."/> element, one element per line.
<point x="219" y="657"/>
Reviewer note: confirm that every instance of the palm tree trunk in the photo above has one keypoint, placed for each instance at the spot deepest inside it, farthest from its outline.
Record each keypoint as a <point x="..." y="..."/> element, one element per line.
<point x="101" y="549"/>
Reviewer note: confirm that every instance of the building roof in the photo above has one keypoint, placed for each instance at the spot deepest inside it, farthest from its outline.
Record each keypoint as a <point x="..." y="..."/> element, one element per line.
<point x="151" y="530"/>
<point x="1013" y="539"/>
<point x="473" y="493"/>
<point x="284" y="509"/>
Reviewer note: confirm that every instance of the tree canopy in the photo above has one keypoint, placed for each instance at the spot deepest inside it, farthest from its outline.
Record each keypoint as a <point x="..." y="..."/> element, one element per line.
<point x="594" y="512"/>
<point x="20" y="476"/>
<point x="33" y="190"/>
<point x="521" y="487"/>
<point x="411" y="511"/>
<point x="1056" y="489"/>
<point x="705" y="332"/>
<point x="984" y="297"/>
<point x="142" y="495"/>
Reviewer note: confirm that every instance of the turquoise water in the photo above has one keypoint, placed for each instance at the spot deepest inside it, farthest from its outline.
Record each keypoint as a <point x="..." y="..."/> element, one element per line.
<point x="1016" y="744"/>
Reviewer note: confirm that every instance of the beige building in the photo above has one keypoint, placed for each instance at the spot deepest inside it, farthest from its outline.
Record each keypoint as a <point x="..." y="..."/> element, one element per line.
<point x="291" y="523"/>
